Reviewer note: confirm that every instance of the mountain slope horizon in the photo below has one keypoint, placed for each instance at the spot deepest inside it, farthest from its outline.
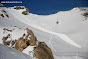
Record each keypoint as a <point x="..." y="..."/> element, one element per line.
<point x="64" y="32"/>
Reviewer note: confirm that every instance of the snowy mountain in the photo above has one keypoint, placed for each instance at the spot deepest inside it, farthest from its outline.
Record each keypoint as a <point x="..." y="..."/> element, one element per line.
<point x="64" y="32"/>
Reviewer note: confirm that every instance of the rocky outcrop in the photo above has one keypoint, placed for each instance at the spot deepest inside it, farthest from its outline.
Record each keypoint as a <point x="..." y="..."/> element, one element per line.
<point x="29" y="32"/>
<point x="21" y="44"/>
<point x="42" y="51"/>
<point x="1" y="5"/>
<point x="26" y="12"/>
<point x="4" y="13"/>
<point x="22" y="7"/>
<point x="33" y="40"/>
<point x="7" y="30"/>
<point x="85" y="15"/>
<point x="19" y="7"/>
<point x="83" y="8"/>
<point x="4" y="40"/>
<point x="57" y="22"/>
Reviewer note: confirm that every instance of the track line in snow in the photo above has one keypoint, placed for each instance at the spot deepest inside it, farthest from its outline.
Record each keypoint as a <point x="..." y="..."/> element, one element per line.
<point x="62" y="36"/>
<point x="51" y="44"/>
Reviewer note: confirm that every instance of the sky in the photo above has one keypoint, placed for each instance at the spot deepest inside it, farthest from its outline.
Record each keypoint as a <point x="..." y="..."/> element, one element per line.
<point x="46" y="7"/>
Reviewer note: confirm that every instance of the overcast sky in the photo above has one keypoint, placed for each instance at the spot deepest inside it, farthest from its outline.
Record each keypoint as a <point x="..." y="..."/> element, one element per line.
<point x="45" y="7"/>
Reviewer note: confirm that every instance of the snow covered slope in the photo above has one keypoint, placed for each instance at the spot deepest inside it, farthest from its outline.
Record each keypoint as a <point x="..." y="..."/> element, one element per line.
<point x="8" y="53"/>
<point x="67" y="38"/>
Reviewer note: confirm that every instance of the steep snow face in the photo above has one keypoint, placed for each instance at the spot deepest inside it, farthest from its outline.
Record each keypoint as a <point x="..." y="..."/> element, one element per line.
<point x="32" y="24"/>
<point x="68" y="37"/>
<point x="8" y="53"/>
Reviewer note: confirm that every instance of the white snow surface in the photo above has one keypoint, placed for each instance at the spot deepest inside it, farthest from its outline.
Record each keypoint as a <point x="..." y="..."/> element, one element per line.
<point x="29" y="50"/>
<point x="8" y="53"/>
<point x="67" y="38"/>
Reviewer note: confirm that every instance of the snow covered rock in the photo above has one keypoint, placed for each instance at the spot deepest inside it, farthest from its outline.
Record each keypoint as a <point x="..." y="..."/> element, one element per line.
<point x="29" y="46"/>
<point x="1" y="5"/>
<point x="19" y="7"/>
<point x="27" y="10"/>
<point x="4" y="13"/>
<point x="25" y="13"/>
<point x="85" y="15"/>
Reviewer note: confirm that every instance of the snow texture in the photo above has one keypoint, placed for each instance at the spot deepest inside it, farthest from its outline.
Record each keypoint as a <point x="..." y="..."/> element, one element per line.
<point x="9" y="53"/>
<point x="67" y="39"/>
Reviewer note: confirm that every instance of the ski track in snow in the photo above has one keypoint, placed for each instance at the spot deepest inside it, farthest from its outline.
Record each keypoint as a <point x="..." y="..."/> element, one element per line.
<point x="51" y="43"/>
<point x="72" y="18"/>
<point x="62" y="36"/>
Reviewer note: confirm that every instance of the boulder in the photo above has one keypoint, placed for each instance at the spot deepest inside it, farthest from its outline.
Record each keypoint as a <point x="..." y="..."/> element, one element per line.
<point x="85" y="14"/>
<point x="33" y="40"/>
<point x="42" y="51"/>
<point x="4" y="41"/>
<point x="22" y="44"/>
<point x="27" y="10"/>
<point x="2" y="15"/>
<point x="29" y="32"/>
<point x="25" y="13"/>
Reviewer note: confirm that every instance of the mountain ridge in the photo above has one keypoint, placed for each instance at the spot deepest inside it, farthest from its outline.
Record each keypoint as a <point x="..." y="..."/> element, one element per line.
<point x="71" y="23"/>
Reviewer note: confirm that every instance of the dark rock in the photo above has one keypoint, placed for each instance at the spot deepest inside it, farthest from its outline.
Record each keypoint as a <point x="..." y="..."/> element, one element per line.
<point x="42" y="51"/>
<point x="2" y="15"/>
<point x="25" y="13"/>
